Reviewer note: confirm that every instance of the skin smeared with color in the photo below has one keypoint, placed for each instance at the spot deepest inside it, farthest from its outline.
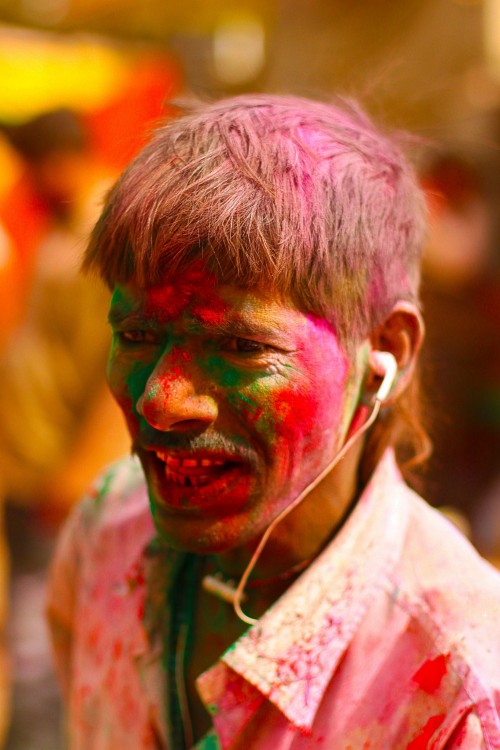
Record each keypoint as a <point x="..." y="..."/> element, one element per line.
<point x="259" y="394"/>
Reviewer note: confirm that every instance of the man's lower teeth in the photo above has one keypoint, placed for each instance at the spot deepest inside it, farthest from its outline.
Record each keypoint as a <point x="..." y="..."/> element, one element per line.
<point x="185" y="481"/>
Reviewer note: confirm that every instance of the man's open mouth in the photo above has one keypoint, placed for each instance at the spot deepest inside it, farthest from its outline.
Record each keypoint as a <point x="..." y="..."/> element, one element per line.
<point x="194" y="470"/>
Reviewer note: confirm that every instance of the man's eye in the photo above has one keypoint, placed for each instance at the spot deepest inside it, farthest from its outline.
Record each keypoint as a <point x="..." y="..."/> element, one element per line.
<point x="137" y="337"/>
<point x="246" y="346"/>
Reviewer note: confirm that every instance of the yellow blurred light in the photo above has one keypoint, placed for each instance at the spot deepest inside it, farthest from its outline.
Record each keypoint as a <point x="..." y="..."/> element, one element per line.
<point x="38" y="72"/>
<point x="491" y="33"/>
<point x="238" y="48"/>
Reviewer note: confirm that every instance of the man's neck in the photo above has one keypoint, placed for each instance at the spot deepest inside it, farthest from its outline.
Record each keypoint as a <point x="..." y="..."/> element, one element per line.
<point x="301" y="535"/>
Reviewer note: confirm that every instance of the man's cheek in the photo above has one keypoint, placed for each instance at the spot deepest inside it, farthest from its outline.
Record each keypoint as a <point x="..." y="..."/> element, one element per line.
<point x="126" y="389"/>
<point x="127" y="406"/>
<point x="253" y="407"/>
<point x="295" y="412"/>
<point x="127" y="381"/>
<point x="281" y="421"/>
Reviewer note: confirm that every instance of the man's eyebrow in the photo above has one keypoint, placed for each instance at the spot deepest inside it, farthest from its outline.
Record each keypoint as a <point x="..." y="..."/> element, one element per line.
<point x="238" y="327"/>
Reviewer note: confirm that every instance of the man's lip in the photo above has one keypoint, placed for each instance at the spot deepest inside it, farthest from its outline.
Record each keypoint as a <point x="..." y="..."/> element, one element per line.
<point x="194" y="463"/>
<point x="193" y="471"/>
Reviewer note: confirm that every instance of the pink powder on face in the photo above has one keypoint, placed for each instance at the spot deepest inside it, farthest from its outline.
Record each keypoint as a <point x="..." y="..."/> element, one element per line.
<point x="295" y="408"/>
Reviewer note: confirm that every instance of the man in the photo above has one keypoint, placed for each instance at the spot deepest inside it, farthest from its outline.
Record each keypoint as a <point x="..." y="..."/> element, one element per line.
<point x="263" y="255"/>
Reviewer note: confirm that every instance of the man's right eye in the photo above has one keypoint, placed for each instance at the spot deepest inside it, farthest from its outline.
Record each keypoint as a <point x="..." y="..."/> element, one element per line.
<point x="136" y="337"/>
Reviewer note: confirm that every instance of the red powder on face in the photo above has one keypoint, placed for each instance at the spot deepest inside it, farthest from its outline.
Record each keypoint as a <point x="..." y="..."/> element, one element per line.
<point x="287" y="403"/>
<point x="421" y="741"/>
<point x="167" y="302"/>
<point x="431" y="673"/>
<point x="211" y="311"/>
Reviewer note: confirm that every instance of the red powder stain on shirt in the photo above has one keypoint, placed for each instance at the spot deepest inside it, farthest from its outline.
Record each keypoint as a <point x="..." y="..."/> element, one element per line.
<point x="421" y="741"/>
<point x="135" y="576"/>
<point x="431" y="673"/>
<point x="141" y="609"/>
<point x="93" y="638"/>
<point x="458" y="736"/>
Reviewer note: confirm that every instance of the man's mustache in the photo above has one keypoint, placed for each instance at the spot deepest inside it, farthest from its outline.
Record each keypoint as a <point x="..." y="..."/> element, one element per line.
<point x="212" y="442"/>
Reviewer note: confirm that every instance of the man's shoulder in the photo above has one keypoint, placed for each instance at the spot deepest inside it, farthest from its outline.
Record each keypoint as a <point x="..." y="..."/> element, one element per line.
<point x="116" y="503"/>
<point x="439" y="553"/>
<point x="453" y="590"/>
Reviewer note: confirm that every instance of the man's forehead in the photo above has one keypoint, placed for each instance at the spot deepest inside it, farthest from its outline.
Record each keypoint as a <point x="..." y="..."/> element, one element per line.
<point x="203" y="300"/>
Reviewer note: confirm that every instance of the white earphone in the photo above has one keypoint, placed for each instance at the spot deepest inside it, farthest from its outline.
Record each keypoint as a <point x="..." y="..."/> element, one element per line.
<point x="385" y="365"/>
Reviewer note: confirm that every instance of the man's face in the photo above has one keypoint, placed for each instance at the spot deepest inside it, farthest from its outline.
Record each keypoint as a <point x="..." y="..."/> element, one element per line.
<point x="235" y="400"/>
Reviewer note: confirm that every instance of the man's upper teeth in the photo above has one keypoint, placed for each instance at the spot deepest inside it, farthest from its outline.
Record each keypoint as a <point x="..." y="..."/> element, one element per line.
<point x="189" y="463"/>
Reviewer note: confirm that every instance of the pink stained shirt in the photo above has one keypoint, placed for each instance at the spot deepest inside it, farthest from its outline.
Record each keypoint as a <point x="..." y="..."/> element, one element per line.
<point x="389" y="640"/>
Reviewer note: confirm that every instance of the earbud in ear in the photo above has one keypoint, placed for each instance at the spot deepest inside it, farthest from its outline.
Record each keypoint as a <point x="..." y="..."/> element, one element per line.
<point x="384" y="364"/>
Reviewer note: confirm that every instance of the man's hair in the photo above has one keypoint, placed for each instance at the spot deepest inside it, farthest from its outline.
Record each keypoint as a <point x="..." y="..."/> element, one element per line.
<point x="306" y="198"/>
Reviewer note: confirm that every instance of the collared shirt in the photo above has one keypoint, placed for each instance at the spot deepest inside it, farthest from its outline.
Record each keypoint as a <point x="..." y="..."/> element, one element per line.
<point x="389" y="640"/>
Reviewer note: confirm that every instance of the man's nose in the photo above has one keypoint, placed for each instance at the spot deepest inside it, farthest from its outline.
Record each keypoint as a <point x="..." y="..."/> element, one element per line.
<point x="174" y="399"/>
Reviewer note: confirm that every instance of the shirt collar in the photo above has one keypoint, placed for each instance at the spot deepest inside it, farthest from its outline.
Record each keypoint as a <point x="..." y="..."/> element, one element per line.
<point x="291" y="654"/>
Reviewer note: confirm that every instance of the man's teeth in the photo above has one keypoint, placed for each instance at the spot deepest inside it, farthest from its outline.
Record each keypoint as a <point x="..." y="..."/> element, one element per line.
<point x="188" y="472"/>
<point x="188" y="481"/>
<point x="190" y="463"/>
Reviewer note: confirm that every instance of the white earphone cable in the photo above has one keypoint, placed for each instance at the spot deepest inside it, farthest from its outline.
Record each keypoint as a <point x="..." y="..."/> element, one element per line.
<point x="310" y="487"/>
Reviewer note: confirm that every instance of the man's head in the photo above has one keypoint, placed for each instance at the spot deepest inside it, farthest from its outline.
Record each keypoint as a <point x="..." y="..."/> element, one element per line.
<point x="258" y="249"/>
<point x="304" y="197"/>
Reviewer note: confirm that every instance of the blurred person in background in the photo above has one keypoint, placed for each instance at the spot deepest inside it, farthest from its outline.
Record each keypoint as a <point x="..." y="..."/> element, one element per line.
<point x="51" y="368"/>
<point x="263" y="254"/>
<point x="461" y="356"/>
<point x="58" y="424"/>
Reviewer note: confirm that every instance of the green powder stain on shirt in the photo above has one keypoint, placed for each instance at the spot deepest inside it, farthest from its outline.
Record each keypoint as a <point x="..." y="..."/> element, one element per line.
<point x="209" y="742"/>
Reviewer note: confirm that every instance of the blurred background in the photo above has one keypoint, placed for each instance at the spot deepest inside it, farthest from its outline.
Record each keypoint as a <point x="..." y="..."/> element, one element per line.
<point x="82" y="84"/>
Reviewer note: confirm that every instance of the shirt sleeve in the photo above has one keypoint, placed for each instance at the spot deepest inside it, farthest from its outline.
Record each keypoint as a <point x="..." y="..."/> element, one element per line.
<point x="468" y="735"/>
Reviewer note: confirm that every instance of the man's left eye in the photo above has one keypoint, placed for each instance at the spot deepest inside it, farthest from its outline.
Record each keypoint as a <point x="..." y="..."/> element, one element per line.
<point x="246" y="346"/>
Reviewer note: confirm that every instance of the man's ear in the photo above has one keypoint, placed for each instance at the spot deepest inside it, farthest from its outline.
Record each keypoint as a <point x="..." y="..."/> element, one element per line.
<point x="401" y="334"/>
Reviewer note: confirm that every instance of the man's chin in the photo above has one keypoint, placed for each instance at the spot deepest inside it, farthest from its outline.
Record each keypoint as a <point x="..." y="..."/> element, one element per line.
<point x="209" y="519"/>
<point x="202" y="535"/>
